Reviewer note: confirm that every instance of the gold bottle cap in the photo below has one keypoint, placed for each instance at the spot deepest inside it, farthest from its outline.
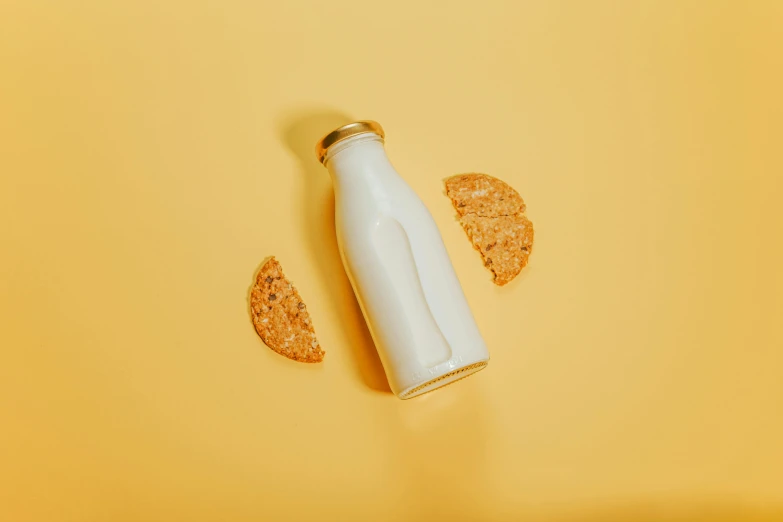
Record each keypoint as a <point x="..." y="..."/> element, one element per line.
<point x="344" y="132"/>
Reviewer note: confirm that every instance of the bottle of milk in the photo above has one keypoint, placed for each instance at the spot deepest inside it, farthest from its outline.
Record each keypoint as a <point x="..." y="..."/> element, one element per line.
<point x="401" y="273"/>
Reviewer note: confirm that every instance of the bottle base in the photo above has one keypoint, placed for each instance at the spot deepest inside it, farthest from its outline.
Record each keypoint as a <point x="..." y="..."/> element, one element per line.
<point x="443" y="380"/>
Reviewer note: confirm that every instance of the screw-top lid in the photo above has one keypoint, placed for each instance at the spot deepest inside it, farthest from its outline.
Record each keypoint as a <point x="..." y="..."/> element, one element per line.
<point x="344" y="132"/>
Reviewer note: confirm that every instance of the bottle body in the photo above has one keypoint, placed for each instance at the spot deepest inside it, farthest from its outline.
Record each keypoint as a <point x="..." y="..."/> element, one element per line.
<point x="401" y="273"/>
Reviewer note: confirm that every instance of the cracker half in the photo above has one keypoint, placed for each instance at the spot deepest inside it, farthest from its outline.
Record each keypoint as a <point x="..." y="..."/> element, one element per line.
<point x="505" y="243"/>
<point x="483" y="195"/>
<point x="280" y="316"/>
<point x="492" y="214"/>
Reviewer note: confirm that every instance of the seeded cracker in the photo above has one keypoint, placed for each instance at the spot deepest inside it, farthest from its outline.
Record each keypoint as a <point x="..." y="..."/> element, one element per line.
<point x="492" y="214"/>
<point x="280" y="316"/>
<point x="483" y="195"/>
<point x="505" y="243"/>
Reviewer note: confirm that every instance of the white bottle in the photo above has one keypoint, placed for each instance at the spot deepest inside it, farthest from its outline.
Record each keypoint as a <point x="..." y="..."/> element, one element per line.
<point x="399" y="268"/>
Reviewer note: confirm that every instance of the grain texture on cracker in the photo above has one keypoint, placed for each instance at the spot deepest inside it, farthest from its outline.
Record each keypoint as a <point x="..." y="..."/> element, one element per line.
<point x="280" y="316"/>
<point x="492" y="214"/>
<point x="483" y="195"/>
<point x="505" y="243"/>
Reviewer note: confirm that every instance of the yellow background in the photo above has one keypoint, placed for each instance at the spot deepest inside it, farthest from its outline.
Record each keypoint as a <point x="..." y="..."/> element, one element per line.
<point x="153" y="153"/>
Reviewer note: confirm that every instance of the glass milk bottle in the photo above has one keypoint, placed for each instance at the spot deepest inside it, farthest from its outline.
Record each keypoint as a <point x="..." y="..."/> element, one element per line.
<point x="400" y="271"/>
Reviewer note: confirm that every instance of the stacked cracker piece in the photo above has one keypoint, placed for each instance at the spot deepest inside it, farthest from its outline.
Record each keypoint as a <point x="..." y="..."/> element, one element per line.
<point x="493" y="215"/>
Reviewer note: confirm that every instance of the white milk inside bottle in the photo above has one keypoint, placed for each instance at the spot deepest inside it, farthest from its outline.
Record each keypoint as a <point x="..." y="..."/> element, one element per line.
<point x="400" y="271"/>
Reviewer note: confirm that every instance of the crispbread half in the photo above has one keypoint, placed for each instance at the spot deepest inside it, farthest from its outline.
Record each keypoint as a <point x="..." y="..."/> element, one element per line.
<point x="505" y="243"/>
<point x="483" y="195"/>
<point x="280" y="316"/>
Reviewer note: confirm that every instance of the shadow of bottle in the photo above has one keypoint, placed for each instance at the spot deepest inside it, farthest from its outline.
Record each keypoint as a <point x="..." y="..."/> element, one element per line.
<point x="300" y="131"/>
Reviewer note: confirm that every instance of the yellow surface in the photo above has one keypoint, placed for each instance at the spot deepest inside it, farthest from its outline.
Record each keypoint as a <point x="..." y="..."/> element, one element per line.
<point x="153" y="153"/>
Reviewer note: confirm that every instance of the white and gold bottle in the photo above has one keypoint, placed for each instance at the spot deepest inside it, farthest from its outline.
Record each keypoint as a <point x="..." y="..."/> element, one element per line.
<point x="401" y="273"/>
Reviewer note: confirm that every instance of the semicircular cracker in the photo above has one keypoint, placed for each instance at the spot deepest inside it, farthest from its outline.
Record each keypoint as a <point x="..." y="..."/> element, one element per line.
<point x="280" y="316"/>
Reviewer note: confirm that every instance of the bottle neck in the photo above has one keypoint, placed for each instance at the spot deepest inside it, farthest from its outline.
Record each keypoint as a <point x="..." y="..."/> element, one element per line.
<point x="359" y="155"/>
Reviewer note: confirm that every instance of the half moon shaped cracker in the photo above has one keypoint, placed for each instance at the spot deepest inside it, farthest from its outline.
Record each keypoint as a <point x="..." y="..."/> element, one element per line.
<point x="280" y="316"/>
<point x="505" y="243"/>
<point x="483" y="195"/>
